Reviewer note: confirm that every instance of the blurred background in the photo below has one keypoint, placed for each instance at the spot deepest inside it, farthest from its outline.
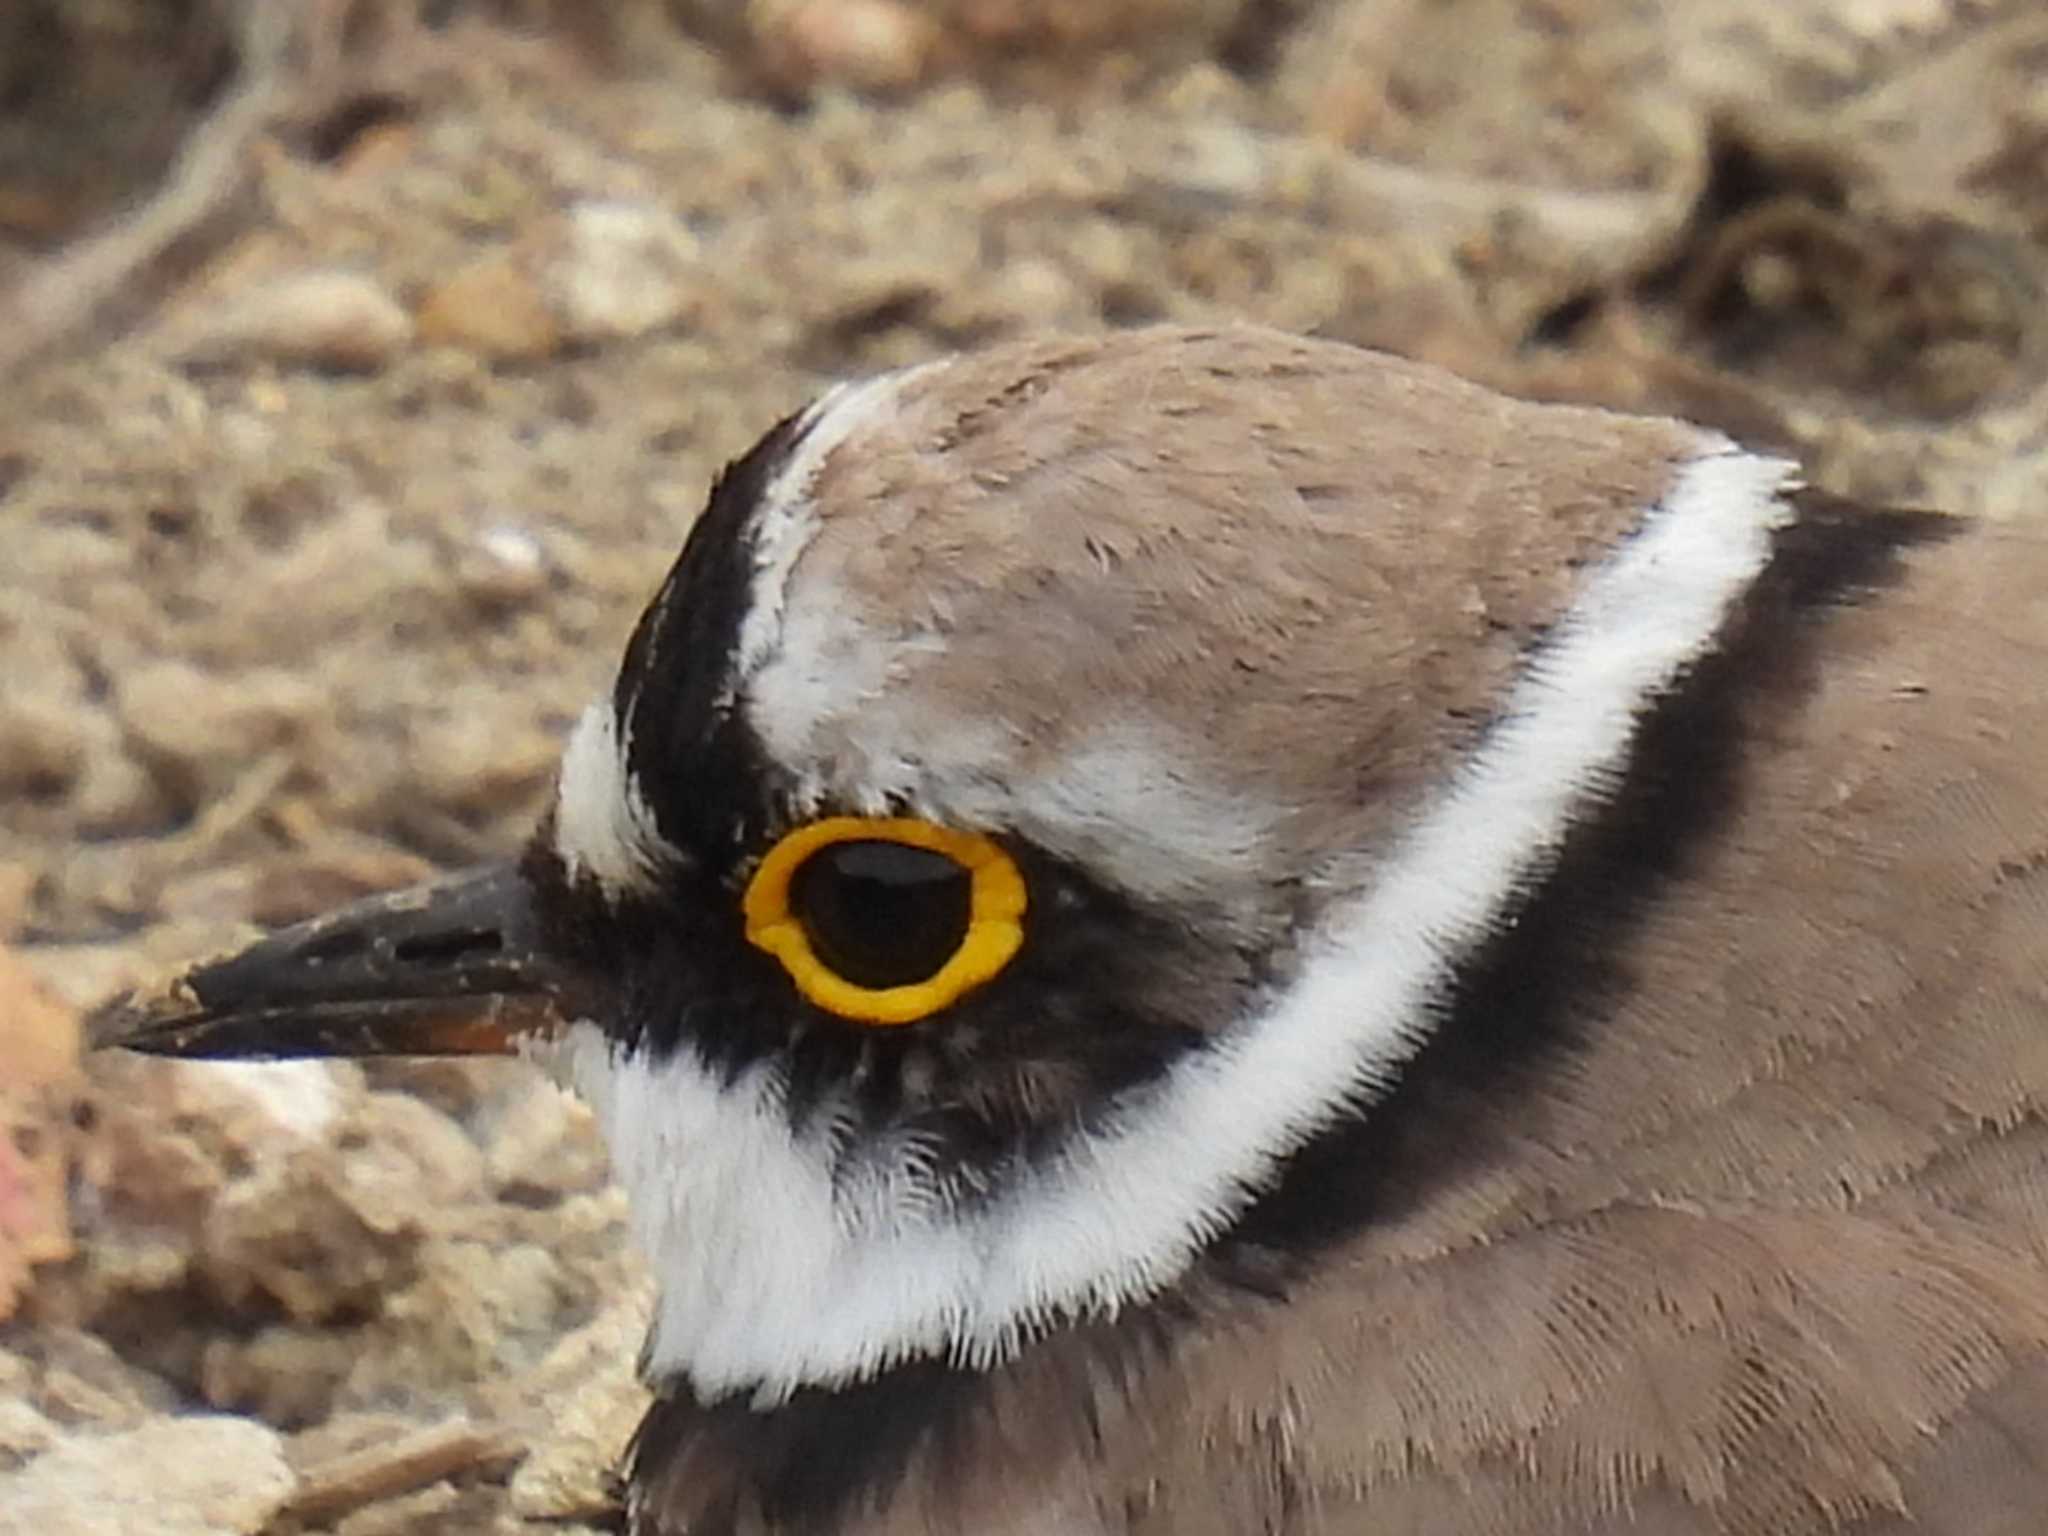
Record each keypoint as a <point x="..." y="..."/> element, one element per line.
<point x="362" y="363"/>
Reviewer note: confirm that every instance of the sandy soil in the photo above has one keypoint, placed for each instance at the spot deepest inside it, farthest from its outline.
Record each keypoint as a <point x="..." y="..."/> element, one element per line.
<point x="351" y="410"/>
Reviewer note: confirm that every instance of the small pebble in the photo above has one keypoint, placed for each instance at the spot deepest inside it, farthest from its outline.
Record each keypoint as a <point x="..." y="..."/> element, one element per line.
<point x="410" y="1142"/>
<point x="622" y="269"/>
<point x="83" y="1383"/>
<point x="493" y="309"/>
<point x="39" y="1084"/>
<point x="595" y="1400"/>
<point x="24" y="1433"/>
<point x="302" y="1233"/>
<point x="504" y="566"/>
<point x="343" y="321"/>
<point x="17" y="890"/>
<point x="201" y="730"/>
<point x="42" y="743"/>
<point x="879" y="46"/>
<point x="485" y="756"/>
<point x="543" y="1148"/>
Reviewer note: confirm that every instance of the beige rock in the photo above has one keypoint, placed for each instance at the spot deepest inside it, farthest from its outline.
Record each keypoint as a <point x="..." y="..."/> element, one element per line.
<point x="116" y="796"/>
<point x="201" y="730"/>
<point x="485" y="754"/>
<point x="397" y="1138"/>
<point x="343" y="1435"/>
<point x="309" y="1238"/>
<point x="42" y="743"/>
<point x="879" y="46"/>
<point x="284" y="1374"/>
<point x="71" y="1398"/>
<point x="78" y="1382"/>
<point x="503" y="566"/>
<point x="573" y="1471"/>
<point x="174" y="1477"/>
<point x="344" y="321"/>
<point x="618" y="269"/>
<point x="458" y="1086"/>
<point x="24" y="1433"/>
<point x="545" y="1147"/>
<point x="885" y="47"/>
<point x="175" y="1135"/>
<point x="594" y="1399"/>
<point x="519" y="1289"/>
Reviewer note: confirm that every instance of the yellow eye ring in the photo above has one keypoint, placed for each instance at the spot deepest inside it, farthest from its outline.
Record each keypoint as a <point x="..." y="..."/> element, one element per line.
<point x="995" y="926"/>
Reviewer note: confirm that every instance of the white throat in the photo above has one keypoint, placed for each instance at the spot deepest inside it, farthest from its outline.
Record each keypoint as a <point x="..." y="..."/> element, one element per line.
<point x="774" y="1275"/>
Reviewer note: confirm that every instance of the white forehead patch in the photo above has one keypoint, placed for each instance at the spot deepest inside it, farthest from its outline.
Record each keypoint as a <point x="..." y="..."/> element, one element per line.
<point x="786" y="520"/>
<point x="603" y="827"/>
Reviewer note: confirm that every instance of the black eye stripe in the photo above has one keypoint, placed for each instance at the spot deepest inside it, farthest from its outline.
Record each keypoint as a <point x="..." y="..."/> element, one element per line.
<point x="882" y="914"/>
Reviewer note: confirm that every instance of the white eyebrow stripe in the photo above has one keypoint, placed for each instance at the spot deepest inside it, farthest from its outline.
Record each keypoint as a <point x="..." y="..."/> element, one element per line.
<point x="604" y="825"/>
<point x="786" y="520"/>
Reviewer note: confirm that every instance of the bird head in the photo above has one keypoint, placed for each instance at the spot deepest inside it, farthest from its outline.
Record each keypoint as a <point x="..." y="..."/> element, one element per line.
<point x="1050" y="790"/>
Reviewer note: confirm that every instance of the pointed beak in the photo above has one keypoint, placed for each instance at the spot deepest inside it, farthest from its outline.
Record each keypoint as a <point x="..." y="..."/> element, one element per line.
<point x="452" y="968"/>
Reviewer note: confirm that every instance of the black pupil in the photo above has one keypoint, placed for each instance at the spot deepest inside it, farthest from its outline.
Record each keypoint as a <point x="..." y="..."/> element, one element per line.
<point x="882" y="914"/>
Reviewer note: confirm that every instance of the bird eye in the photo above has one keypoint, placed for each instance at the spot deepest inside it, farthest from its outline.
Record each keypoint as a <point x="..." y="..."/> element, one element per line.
<point x="885" y="920"/>
<point x="882" y="914"/>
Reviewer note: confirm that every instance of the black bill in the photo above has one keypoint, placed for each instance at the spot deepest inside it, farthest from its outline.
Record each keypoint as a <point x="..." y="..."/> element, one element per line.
<point x="451" y="968"/>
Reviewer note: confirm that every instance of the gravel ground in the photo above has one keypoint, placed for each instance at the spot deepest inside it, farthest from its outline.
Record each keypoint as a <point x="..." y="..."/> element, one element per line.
<point x="351" y="411"/>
